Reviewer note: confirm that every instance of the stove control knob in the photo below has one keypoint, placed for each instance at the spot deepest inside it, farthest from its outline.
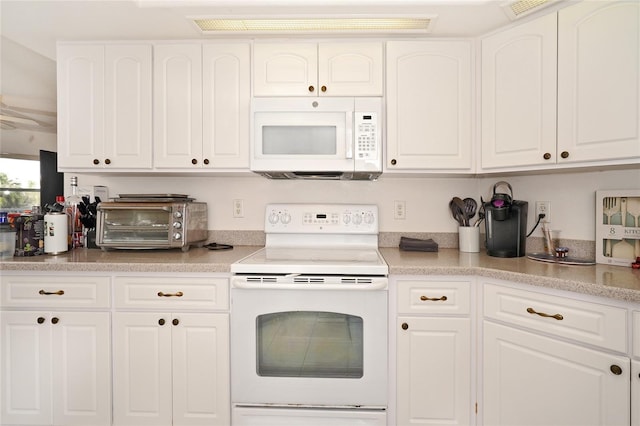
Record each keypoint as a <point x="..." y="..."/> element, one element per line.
<point x="177" y="225"/>
<point x="273" y="218"/>
<point x="346" y="218"/>
<point x="357" y="219"/>
<point x="368" y="218"/>
<point x="285" y="218"/>
<point x="177" y="236"/>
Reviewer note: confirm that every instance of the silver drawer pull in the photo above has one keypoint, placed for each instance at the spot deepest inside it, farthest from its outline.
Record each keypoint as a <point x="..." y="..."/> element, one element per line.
<point x="542" y="314"/>
<point x="178" y="294"/>
<point x="49" y="293"/>
<point x="433" y="299"/>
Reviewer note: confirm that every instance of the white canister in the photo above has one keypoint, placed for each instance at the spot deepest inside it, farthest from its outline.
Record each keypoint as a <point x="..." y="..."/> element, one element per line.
<point x="55" y="233"/>
<point x="469" y="239"/>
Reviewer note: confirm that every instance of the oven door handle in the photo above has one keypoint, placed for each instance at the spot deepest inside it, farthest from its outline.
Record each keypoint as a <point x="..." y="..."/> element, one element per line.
<point x="243" y="284"/>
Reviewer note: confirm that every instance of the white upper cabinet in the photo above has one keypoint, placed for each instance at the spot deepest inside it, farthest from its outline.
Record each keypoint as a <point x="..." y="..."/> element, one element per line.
<point x="104" y="106"/>
<point x="429" y="104"/>
<point x="519" y="95"/>
<point x="318" y="69"/>
<point x="177" y="105"/>
<point x="599" y="81"/>
<point x="226" y="103"/>
<point x="563" y="90"/>
<point x="201" y="99"/>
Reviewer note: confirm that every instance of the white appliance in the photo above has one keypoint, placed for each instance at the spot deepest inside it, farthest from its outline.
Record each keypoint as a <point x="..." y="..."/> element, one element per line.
<point x="309" y="320"/>
<point x="317" y="138"/>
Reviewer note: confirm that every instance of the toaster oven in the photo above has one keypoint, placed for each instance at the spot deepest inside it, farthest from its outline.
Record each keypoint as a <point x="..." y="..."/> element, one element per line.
<point x="151" y="224"/>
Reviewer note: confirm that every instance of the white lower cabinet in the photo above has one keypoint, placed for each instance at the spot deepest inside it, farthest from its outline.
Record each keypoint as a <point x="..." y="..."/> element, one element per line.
<point x="171" y="366"/>
<point x="542" y="365"/>
<point x="170" y="369"/>
<point x="434" y="352"/>
<point x="56" y="368"/>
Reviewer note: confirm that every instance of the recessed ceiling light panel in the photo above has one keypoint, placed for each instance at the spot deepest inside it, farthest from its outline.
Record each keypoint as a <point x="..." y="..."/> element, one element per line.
<point x="221" y="25"/>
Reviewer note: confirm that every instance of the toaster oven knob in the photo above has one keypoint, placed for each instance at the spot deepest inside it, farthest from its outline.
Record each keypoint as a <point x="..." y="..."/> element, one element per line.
<point x="177" y="236"/>
<point x="177" y="225"/>
<point x="177" y="214"/>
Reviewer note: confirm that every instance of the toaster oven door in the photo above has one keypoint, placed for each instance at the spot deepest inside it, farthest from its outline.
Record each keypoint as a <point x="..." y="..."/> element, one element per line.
<point x="137" y="227"/>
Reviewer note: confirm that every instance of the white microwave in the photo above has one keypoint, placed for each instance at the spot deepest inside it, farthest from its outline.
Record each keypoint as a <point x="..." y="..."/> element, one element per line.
<point x="316" y="138"/>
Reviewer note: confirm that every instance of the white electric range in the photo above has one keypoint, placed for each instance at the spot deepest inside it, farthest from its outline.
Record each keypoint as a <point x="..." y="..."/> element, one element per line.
<point x="309" y="320"/>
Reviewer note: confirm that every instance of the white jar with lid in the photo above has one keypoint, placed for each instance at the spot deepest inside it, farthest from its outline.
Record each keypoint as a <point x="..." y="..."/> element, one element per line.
<point x="55" y="233"/>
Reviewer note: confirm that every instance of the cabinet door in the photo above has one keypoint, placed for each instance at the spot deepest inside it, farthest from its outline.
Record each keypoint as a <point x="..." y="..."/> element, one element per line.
<point x="81" y="368"/>
<point x="26" y="368"/>
<point x="142" y="369"/>
<point x="177" y="105"/>
<point x="434" y="371"/>
<point x="285" y="69"/>
<point x="128" y="106"/>
<point x="635" y="393"/>
<point x="350" y="69"/>
<point x="201" y="369"/>
<point x="598" y="84"/>
<point x="429" y="106"/>
<point x="80" y="74"/>
<point x="536" y="380"/>
<point x="226" y="105"/>
<point x="519" y="95"/>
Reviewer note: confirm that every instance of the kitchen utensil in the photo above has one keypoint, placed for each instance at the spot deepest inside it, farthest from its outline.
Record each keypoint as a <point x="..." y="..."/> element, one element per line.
<point x="611" y="207"/>
<point x="470" y="207"/>
<point x="623" y="250"/>
<point x="633" y="208"/>
<point x="456" y="205"/>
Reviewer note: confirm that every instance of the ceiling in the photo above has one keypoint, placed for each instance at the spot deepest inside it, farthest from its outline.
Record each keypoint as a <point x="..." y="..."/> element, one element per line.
<point x="37" y="25"/>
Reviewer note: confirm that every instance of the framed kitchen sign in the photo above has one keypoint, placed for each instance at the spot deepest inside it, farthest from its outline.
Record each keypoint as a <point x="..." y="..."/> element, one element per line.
<point x="617" y="227"/>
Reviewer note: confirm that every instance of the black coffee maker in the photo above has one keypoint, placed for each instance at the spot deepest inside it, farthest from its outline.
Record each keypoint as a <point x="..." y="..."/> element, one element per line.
<point x="505" y="224"/>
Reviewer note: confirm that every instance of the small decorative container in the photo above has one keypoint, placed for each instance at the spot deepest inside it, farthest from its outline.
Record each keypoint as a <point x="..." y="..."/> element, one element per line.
<point x="617" y="227"/>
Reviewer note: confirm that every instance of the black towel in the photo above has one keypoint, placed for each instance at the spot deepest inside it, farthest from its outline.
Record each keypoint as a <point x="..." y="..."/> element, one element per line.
<point x="415" y="244"/>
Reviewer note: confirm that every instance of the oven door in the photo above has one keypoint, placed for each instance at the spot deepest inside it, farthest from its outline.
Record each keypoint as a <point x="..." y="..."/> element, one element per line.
<point x="309" y="347"/>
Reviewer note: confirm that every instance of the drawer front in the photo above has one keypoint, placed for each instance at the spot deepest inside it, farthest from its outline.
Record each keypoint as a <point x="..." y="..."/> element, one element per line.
<point x="636" y="334"/>
<point x="431" y="297"/>
<point x="591" y="323"/>
<point x="55" y="292"/>
<point x="179" y="292"/>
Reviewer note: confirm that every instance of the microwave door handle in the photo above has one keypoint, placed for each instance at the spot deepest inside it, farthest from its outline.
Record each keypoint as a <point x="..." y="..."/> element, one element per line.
<point x="349" y="135"/>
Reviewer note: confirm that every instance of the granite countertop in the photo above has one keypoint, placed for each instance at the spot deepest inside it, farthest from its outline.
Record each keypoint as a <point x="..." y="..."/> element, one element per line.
<point x="615" y="282"/>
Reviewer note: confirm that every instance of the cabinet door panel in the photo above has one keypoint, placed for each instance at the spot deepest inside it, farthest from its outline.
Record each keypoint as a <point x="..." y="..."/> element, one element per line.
<point x="350" y="69"/>
<point x="177" y="112"/>
<point x="285" y="69"/>
<point x="128" y="106"/>
<point x="429" y="106"/>
<point x="519" y="95"/>
<point x="535" y="380"/>
<point x="434" y="371"/>
<point x="82" y="368"/>
<point x="26" y="368"/>
<point x="635" y="393"/>
<point x="142" y="369"/>
<point x="598" y="85"/>
<point x="226" y="104"/>
<point x="80" y="74"/>
<point x="201" y="369"/>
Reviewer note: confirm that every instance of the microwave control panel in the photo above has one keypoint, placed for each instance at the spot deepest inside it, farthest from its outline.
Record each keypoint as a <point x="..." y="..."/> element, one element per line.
<point x="366" y="135"/>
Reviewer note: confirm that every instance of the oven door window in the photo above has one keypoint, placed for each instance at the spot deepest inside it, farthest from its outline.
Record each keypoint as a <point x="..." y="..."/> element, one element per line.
<point x="136" y="225"/>
<point x="309" y="344"/>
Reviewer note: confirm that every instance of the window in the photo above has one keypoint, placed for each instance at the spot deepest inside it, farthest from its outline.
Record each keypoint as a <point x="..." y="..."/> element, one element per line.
<point x="19" y="184"/>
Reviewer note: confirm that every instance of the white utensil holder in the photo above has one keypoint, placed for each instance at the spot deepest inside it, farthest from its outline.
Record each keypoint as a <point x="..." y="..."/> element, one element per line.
<point x="469" y="239"/>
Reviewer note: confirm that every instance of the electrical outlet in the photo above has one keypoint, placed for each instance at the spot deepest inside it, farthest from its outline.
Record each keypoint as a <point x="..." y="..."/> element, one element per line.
<point x="399" y="210"/>
<point x="238" y="208"/>
<point x="543" y="207"/>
